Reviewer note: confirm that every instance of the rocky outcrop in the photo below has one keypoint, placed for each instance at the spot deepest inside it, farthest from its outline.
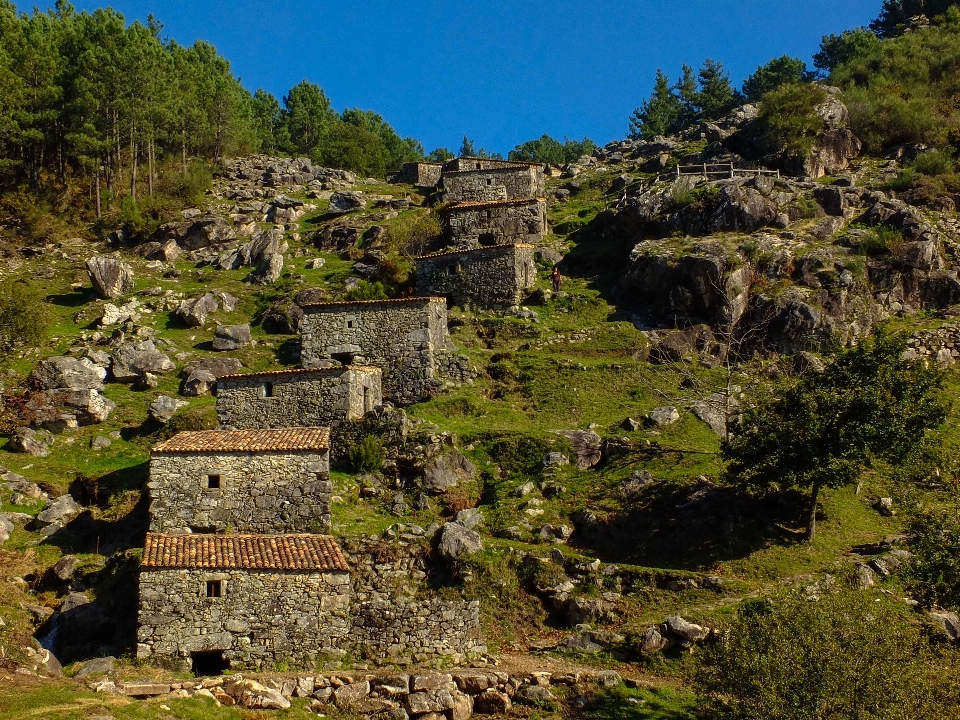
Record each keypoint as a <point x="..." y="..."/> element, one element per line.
<point x="132" y="360"/>
<point x="67" y="373"/>
<point x="195" y="312"/>
<point x="110" y="278"/>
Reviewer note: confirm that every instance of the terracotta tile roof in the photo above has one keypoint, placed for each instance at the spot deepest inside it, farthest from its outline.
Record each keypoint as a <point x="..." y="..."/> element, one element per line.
<point x="248" y="552"/>
<point x="391" y="301"/>
<point x="208" y="441"/>
<point x="300" y="371"/>
<point x="473" y="250"/>
<point x="480" y="204"/>
<point x="423" y="162"/>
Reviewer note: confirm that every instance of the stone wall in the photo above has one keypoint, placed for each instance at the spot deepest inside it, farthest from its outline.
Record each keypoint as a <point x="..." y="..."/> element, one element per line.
<point x="398" y="336"/>
<point x="390" y="620"/>
<point x="489" y="277"/>
<point x="417" y="631"/>
<point x="420" y="174"/>
<point x="319" y="397"/>
<point x="496" y="223"/>
<point x="264" y="492"/>
<point x="518" y="182"/>
<point x="262" y="617"/>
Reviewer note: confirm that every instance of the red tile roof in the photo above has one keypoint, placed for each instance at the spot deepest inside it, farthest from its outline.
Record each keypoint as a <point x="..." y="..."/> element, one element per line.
<point x="247" y="552"/>
<point x="391" y="301"/>
<point x="508" y="162"/>
<point x="473" y="250"/>
<point x="523" y="167"/>
<point x="300" y="371"/>
<point x="280" y="439"/>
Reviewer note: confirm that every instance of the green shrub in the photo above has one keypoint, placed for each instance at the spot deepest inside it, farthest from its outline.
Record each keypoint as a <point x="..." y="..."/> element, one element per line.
<point x="203" y="417"/>
<point x="790" y="118"/>
<point x="881" y="240"/>
<point x="23" y="316"/>
<point x="367" y="291"/>
<point x="366" y="456"/>
<point x="904" y="180"/>
<point x="934" y="575"/>
<point x="934" y="163"/>
<point x="850" y="654"/>
<point x="189" y="185"/>
<point x="413" y="233"/>
<point x="903" y="90"/>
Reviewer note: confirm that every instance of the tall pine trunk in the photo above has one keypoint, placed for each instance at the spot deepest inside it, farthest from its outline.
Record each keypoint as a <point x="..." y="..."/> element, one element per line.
<point x="133" y="162"/>
<point x="98" y="192"/>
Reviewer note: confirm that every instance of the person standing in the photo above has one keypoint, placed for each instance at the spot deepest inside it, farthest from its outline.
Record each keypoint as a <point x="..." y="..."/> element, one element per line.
<point x="556" y="278"/>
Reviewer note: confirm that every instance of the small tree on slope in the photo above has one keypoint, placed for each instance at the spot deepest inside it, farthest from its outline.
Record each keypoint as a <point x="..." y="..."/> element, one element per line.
<point x="825" y="429"/>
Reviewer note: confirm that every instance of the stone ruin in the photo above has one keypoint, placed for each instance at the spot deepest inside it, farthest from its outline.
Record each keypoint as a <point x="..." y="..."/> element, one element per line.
<point x="403" y="337"/>
<point x="473" y="224"/>
<point x="419" y="174"/>
<point x="488" y="277"/>
<point x="301" y="397"/>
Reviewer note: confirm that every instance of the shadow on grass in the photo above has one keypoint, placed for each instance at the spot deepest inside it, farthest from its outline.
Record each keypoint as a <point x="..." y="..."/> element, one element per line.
<point x="694" y="527"/>
<point x="77" y="298"/>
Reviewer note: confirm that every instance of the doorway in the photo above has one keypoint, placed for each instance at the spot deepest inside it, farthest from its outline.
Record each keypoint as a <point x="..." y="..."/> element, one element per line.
<point x="208" y="663"/>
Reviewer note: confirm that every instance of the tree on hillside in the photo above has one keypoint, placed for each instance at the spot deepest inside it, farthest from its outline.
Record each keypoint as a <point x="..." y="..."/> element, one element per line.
<point x="440" y="154"/>
<point x="825" y="429"/>
<point x="467" y="148"/>
<point x="658" y="113"/>
<point x="779" y="71"/>
<point x="307" y="115"/>
<point x="705" y="95"/>
<point x="838" y="49"/>
<point x="848" y="656"/>
<point x="266" y="116"/>
<point x="715" y="95"/>
<point x="895" y="14"/>
<point x="546" y="149"/>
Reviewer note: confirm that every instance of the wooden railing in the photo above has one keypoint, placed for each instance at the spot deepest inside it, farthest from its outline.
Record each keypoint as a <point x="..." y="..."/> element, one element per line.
<point x="715" y="171"/>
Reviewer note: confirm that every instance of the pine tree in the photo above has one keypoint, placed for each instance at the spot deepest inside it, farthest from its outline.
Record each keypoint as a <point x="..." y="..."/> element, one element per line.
<point x="716" y="96"/>
<point x="467" y="148"/>
<point x="688" y="95"/>
<point x="783" y="70"/>
<point x="659" y="113"/>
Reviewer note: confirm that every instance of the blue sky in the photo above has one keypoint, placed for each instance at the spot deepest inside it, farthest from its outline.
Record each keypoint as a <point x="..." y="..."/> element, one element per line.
<point x="500" y="72"/>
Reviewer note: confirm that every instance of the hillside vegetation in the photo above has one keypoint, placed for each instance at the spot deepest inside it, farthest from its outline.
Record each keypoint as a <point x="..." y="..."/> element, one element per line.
<point x="731" y="361"/>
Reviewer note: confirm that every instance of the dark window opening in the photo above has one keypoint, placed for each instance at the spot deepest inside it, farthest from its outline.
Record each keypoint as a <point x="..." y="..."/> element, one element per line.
<point x="213" y="482"/>
<point x="487" y="239"/>
<point x="343" y="358"/>
<point x="208" y="663"/>
<point x="214" y="588"/>
<point x="268" y="389"/>
<point x="479" y="166"/>
<point x="349" y="323"/>
<point x="489" y="181"/>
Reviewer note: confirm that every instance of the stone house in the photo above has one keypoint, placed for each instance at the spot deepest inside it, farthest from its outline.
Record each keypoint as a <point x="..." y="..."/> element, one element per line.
<point x="263" y="481"/>
<point x="467" y="162"/>
<point x="487" y="277"/>
<point x="471" y="224"/>
<point x="212" y="602"/>
<point x="302" y="397"/>
<point x="419" y="174"/>
<point x="514" y="182"/>
<point x="403" y="337"/>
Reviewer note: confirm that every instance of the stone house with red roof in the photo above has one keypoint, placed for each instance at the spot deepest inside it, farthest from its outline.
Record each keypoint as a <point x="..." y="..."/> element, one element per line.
<point x="210" y="602"/>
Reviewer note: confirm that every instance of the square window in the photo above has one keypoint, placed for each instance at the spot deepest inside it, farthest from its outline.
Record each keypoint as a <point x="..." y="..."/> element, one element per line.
<point x="214" y="588"/>
<point x="349" y="323"/>
<point x="213" y="482"/>
<point x="489" y="181"/>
